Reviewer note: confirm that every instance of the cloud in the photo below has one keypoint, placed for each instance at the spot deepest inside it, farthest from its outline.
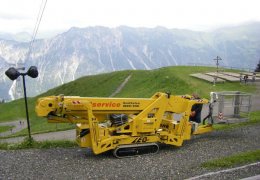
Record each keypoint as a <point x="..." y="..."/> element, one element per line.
<point x="17" y="15"/>
<point x="8" y="16"/>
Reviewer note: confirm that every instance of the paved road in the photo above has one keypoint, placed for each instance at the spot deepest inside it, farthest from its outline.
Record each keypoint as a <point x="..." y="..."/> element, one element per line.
<point x="60" y="135"/>
<point x="16" y="127"/>
<point x="256" y="98"/>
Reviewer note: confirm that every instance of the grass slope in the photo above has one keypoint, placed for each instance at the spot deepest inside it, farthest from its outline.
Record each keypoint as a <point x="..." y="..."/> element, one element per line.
<point x="142" y="84"/>
<point x="177" y="81"/>
<point x="5" y="128"/>
<point x="234" y="160"/>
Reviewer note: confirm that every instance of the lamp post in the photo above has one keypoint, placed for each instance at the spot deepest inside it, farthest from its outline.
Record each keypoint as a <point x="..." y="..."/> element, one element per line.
<point x="13" y="74"/>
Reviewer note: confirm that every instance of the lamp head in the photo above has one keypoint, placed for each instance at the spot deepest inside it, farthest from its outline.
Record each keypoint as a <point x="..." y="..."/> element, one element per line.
<point x="12" y="73"/>
<point x="32" y="72"/>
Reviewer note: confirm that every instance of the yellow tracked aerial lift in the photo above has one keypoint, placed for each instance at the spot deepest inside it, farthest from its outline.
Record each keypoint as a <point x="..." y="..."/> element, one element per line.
<point x="129" y="126"/>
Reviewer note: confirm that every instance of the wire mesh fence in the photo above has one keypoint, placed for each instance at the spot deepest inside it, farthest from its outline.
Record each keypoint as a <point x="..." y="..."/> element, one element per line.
<point x="232" y="106"/>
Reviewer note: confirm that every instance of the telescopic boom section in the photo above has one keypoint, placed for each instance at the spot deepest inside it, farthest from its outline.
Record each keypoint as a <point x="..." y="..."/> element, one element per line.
<point x="123" y="124"/>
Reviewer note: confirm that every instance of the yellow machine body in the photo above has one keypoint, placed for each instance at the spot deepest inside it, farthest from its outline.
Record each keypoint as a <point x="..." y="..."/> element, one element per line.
<point x="108" y="123"/>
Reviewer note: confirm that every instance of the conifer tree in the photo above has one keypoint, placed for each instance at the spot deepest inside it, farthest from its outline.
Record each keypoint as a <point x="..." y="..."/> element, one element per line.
<point x="258" y="67"/>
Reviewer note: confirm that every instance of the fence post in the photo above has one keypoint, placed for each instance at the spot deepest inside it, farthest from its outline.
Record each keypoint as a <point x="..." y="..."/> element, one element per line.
<point x="237" y="104"/>
<point x="221" y="103"/>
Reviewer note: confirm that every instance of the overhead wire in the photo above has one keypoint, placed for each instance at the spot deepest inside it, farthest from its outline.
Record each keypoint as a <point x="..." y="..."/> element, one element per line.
<point x="36" y="27"/>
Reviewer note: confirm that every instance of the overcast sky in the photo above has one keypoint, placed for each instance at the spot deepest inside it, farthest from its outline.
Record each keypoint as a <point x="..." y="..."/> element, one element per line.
<point x="20" y="15"/>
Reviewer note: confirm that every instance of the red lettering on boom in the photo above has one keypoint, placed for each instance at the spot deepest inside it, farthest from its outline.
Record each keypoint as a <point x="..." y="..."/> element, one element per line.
<point x="106" y="104"/>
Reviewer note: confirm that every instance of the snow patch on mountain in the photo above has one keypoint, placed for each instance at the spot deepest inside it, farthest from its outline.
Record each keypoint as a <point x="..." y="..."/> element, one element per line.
<point x="86" y="51"/>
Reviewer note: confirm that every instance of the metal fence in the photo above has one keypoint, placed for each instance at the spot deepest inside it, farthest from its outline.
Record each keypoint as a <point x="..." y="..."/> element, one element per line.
<point x="232" y="106"/>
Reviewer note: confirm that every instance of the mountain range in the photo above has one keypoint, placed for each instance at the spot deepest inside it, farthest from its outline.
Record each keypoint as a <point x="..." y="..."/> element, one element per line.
<point x="85" y="51"/>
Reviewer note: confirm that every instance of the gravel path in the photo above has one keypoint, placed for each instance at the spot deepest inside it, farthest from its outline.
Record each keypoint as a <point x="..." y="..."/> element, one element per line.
<point x="121" y="86"/>
<point x="170" y="163"/>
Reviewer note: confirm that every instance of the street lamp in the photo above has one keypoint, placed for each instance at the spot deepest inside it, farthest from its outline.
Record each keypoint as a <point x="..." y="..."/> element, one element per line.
<point x="13" y="74"/>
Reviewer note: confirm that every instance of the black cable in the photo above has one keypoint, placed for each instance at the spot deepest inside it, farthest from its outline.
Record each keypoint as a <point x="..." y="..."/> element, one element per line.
<point x="36" y="27"/>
